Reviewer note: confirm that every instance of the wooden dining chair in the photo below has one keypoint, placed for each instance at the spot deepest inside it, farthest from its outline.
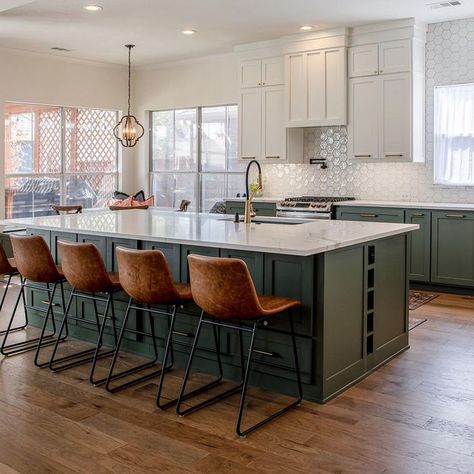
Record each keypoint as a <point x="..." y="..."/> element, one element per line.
<point x="67" y="209"/>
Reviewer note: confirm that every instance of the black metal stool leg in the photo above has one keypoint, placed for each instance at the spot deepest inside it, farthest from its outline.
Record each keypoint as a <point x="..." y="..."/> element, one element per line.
<point x="43" y="329"/>
<point x="33" y="343"/>
<point x="18" y="328"/>
<point x="182" y="396"/>
<point x="111" y="376"/>
<point x="280" y="412"/>
<point x="97" y="354"/>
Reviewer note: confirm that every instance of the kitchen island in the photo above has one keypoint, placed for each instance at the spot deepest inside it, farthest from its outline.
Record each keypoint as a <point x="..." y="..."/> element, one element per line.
<point x="351" y="278"/>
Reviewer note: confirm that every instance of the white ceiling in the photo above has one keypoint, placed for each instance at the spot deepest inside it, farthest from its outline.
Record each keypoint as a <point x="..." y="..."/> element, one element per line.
<point x="155" y="25"/>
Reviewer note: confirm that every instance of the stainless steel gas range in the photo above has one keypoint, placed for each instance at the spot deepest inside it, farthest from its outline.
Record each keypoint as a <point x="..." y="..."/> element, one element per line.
<point x="309" y="207"/>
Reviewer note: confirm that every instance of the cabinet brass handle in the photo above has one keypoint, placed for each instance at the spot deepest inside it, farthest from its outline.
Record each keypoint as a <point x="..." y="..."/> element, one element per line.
<point x="271" y="354"/>
<point x="248" y="157"/>
<point x="455" y="216"/>
<point x="394" y="154"/>
<point x="376" y="72"/>
<point x="362" y="156"/>
<point x="381" y="70"/>
<point x="272" y="157"/>
<point x="369" y="215"/>
<point x="47" y="302"/>
<point x="418" y="214"/>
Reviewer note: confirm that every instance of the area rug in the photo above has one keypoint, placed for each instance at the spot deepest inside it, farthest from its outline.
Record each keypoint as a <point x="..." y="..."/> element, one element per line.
<point x="414" y="322"/>
<point x="419" y="298"/>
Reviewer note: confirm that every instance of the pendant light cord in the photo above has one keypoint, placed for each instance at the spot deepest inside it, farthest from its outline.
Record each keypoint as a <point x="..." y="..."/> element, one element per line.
<point x="129" y="74"/>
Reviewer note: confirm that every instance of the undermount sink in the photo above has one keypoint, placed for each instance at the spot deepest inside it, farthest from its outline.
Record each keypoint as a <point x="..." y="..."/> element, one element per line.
<point x="263" y="220"/>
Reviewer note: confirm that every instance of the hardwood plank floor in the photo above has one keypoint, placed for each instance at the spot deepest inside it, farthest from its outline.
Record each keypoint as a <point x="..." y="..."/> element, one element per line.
<point x="415" y="414"/>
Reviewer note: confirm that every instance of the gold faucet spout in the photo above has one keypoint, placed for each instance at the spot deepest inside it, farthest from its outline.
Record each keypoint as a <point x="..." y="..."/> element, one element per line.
<point x="249" y="211"/>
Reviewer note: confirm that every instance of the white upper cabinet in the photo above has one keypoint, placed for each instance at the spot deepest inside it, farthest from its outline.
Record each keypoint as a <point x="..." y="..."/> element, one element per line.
<point x="250" y="73"/>
<point x="273" y="127"/>
<point x="316" y="88"/>
<point x="273" y="71"/>
<point x="394" y="56"/>
<point x="261" y="72"/>
<point x="250" y="123"/>
<point x="395" y="116"/>
<point x="363" y="60"/>
<point x="387" y="57"/>
<point x="363" y="116"/>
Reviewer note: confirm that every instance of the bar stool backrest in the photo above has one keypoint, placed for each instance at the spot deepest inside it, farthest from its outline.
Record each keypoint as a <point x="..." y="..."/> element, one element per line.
<point x="223" y="287"/>
<point x="33" y="259"/>
<point x="146" y="276"/>
<point x="84" y="267"/>
<point x="5" y="266"/>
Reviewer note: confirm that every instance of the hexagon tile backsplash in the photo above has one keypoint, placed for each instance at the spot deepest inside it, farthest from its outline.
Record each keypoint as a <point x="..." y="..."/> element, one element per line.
<point x="449" y="60"/>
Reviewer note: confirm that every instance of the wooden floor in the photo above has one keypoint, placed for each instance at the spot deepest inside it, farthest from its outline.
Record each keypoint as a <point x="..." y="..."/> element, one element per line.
<point x="416" y="414"/>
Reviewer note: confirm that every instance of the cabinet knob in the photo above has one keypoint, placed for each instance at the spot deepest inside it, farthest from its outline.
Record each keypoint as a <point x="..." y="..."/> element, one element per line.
<point x="376" y="72"/>
<point x="381" y="71"/>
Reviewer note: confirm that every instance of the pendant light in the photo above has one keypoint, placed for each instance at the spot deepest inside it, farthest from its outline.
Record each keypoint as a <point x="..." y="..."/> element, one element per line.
<point x="129" y="130"/>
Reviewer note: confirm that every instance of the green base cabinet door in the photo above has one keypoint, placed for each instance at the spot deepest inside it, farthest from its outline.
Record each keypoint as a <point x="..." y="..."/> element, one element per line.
<point x="369" y="214"/>
<point x="419" y="245"/>
<point x="452" y="251"/>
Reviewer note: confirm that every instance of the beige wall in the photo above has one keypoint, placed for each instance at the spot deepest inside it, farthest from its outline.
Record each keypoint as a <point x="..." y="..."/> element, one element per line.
<point x="207" y="81"/>
<point x="41" y="79"/>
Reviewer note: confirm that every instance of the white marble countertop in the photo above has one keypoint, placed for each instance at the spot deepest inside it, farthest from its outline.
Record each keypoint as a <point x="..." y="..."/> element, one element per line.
<point x="451" y="206"/>
<point x="218" y="230"/>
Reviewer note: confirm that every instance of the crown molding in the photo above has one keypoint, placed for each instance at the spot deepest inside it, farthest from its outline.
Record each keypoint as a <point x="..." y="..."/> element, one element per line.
<point x="183" y="62"/>
<point x="57" y="57"/>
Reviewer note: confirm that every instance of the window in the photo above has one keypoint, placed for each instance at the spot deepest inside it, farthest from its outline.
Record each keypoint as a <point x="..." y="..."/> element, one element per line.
<point x="58" y="155"/>
<point x="194" y="156"/>
<point x="454" y="135"/>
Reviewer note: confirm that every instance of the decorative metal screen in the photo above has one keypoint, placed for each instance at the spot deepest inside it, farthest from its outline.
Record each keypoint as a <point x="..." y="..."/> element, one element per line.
<point x="48" y="143"/>
<point x="90" y="144"/>
<point x="58" y="155"/>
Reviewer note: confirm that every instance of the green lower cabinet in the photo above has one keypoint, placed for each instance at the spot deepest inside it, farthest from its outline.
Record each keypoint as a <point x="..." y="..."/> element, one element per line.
<point x="111" y="245"/>
<point x="194" y="249"/>
<point x="263" y="209"/>
<point x="254" y="261"/>
<point x="370" y="214"/>
<point x="452" y="249"/>
<point x="419" y="245"/>
<point x="97" y="240"/>
<point x="390" y="300"/>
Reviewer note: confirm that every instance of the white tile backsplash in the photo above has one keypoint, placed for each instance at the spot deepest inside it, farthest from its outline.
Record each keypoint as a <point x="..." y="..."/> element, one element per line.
<point x="449" y="60"/>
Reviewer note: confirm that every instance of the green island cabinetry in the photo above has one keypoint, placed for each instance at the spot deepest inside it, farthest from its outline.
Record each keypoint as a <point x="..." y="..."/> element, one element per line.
<point x="263" y="209"/>
<point x="441" y="252"/>
<point x="352" y="319"/>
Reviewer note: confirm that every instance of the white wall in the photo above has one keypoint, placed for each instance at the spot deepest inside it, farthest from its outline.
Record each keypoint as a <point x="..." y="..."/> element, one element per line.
<point x="205" y="81"/>
<point x="41" y="79"/>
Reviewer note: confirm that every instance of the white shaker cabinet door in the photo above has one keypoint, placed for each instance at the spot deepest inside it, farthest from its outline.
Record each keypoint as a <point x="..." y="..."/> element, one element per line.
<point x="297" y="88"/>
<point x="395" y="117"/>
<point x="316" y="73"/>
<point x="273" y="126"/>
<point x="250" y="74"/>
<point x="273" y="71"/>
<point x="363" y="60"/>
<point x="250" y="113"/>
<point x="336" y="86"/>
<point x="363" y="118"/>
<point x="394" y="56"/>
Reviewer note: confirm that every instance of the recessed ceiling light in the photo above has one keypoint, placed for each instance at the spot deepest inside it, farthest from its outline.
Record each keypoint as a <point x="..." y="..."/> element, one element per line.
<point x="189" y="32"/>
<point x="93" y="8"/>
<point x="306" y="28"/>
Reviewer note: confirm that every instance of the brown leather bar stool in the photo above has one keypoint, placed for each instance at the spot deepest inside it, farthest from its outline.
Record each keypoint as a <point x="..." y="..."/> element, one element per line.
<point x="36" y="266"/>
<point x="8" y="268"/>
<point x="146" y="278"/>
<point x="85" y="271"/>
<point x="224" y="290"/>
